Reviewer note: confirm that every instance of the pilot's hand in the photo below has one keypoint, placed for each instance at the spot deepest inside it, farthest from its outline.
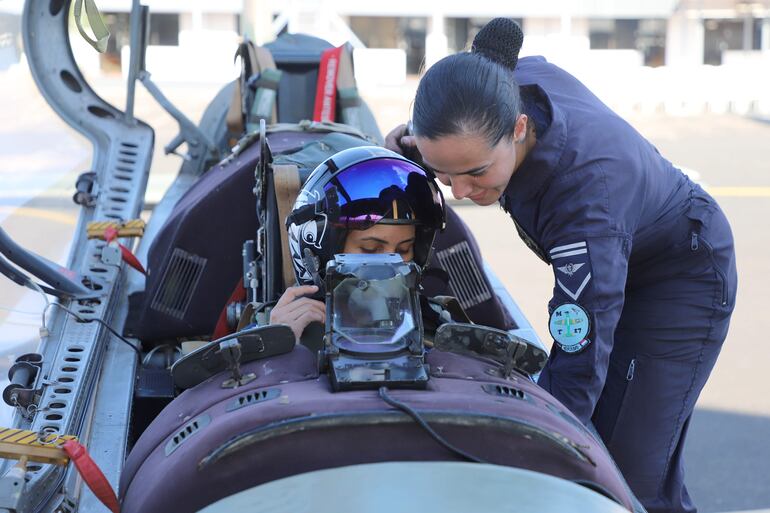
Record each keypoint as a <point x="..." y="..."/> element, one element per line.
<point x="297" y="311"/>
<point x="402" y="142"/>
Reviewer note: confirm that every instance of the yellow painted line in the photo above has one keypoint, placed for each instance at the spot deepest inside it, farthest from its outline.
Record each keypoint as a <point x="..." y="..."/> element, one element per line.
<point x="10" y="433"/>
<point x="739" y="192"/>
<point x="39" y="213"/>
<point x="32" y="437"/>
<point x="15" y="437"/>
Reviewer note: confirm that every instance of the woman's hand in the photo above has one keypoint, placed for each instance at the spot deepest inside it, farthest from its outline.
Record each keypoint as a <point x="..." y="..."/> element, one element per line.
<point x="297" y="311"/>
<point x="401" y="142"/>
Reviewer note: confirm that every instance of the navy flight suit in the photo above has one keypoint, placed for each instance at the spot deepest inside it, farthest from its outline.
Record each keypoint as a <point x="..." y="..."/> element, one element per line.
<point x="645" y="278"/>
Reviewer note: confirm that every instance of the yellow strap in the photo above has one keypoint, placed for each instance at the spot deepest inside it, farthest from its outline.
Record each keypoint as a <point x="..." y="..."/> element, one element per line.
<point x="286" y="180"/>
<point x="131" y="228"/>
<point x="234" y="118"/>
<point x="19" y="443"/>
<point x="100" y="30"/>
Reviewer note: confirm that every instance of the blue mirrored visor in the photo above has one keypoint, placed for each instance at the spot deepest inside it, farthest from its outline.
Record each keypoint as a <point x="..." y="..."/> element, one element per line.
<point x="386" y="190"/>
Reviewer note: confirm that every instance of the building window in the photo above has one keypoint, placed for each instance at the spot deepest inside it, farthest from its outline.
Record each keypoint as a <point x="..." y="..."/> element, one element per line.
<point x="376" y="32"/>
<point x="613" y="34"/>
<point x="648" y="36"/>
<point x="651" y="41"/>
<point x="721" y="35"/>
<point x="465" y="30"/>
<point x="412" y="34"/>
<point x="407" y="34"/>
<point x="120" y="36"/>
<point x="164" y="29"/>
<point x="601" y="34"/>
<point x="457" y="34"/>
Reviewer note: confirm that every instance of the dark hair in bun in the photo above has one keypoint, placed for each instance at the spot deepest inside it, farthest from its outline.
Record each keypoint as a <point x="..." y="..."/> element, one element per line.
<point x="500" y="41"/>
<point x="473" y="93"/>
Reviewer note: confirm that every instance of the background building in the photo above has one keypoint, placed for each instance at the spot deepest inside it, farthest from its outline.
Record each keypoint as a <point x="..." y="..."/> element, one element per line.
<point x="659" y="55"/>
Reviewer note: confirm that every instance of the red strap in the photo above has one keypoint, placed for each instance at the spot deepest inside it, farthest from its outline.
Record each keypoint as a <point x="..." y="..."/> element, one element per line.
<point x="111" y="234"/>
<point x="326" y="89"/>
<point x="92" y="476"/>
<point x="131" y="259"/>
<point x="221" y="329"/>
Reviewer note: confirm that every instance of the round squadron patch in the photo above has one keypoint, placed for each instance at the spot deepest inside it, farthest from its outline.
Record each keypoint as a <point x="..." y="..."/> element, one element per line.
<point x="569" y="325"/>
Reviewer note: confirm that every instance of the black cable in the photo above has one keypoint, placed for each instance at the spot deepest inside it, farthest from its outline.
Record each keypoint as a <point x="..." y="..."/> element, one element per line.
<point x="100" y="321"/>
<point x="417" y="418"/>
<point x="39" y="508"/>
<point x="60" y="480"/>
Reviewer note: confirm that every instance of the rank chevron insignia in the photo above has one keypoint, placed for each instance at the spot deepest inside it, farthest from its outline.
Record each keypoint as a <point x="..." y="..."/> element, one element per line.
<point x="573" y="276"/>
<point x="570" y="268"/>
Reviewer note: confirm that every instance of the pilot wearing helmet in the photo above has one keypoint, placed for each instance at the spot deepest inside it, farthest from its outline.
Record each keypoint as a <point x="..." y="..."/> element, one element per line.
<point x="361" y="200"/>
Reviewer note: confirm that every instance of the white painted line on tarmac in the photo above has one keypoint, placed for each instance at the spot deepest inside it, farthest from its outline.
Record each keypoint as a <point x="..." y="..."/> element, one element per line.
<point x="750" y="511"/>
<point x="69" y="219"/>
<point x="739" y="192"/>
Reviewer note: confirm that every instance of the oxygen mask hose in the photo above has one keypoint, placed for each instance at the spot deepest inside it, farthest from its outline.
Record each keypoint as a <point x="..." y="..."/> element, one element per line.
<point x="423" y="424"/>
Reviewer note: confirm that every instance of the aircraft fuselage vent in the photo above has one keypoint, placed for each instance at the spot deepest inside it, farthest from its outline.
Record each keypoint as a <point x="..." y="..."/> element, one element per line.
<point x="504" y="391"/>
<point x="187" y="431"/>
<point x="253" y="398"/>
<point x="465" y="278"/>
<point x="178" y="285"/>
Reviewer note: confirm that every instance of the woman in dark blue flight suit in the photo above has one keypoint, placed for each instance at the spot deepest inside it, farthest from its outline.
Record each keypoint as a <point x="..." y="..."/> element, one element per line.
<point x="643" y="259"/>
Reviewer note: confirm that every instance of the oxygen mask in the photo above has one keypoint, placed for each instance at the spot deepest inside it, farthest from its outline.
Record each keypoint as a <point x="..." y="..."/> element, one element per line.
<point x="374" y="331"/>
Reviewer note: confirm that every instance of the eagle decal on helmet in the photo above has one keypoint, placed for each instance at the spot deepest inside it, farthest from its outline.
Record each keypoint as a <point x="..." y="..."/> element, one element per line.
<point x="308" y="234"/>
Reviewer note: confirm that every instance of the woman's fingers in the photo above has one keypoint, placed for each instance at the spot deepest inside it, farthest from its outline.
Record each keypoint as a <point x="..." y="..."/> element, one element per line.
<point x="293" y="293"/>
<point x="309" y="316"/>
<point x="297" y="311"/>
<point x="303" y="318"/>
<point x="298" y="314"/>
<point x="293" y="309"/>
<point x="408" y="142"/>
<point x="401" y="141"/>
<point x="394" y="138"/>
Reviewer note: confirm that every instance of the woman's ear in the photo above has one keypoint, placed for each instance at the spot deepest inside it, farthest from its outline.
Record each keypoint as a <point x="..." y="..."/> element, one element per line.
<point x="520" y="130"/>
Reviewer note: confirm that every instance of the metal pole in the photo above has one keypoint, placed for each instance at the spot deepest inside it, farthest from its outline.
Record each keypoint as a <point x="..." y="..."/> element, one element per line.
<point x="136" y="51"/>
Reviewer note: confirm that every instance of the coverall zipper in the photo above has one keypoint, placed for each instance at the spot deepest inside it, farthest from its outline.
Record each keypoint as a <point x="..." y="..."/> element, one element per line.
<point x="722" y="278"/>
<point x="631" y="369"/>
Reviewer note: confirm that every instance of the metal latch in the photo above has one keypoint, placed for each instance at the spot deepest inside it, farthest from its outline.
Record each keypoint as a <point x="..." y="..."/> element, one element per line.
<point x="87" y="189"/>
<point x="231" y="352"/>
<point x="23" y="375"/>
